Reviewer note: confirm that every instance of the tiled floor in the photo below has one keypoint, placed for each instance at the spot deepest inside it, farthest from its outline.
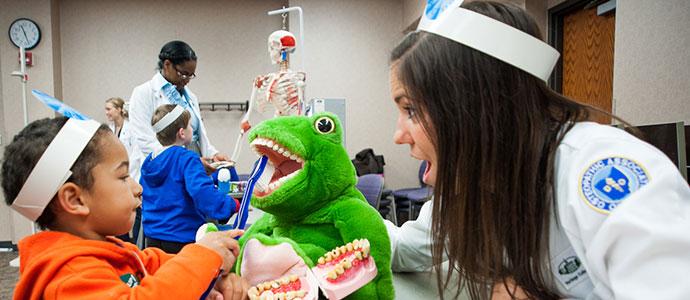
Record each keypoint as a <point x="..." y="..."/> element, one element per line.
<point x="8" y="275"/>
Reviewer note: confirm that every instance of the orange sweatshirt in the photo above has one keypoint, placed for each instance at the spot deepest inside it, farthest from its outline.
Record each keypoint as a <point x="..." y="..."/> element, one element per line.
<point x="57" y="265"/>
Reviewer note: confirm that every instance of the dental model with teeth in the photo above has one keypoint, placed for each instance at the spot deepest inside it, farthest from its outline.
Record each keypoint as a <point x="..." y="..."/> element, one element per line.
<point x="311" y="206"/>
<point x="344" y="269"/>
<point x="287" y="287"/>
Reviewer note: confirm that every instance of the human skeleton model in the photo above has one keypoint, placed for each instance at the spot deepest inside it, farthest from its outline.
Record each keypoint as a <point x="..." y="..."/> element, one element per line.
<point x="284" y="89"/>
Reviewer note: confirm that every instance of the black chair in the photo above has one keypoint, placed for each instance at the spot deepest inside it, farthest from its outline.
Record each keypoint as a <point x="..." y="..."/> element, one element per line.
<point x="410" y="200"/>
<point x="371" y="186"/>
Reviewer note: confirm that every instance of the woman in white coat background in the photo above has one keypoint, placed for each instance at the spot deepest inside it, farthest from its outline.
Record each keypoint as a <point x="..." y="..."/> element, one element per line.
<point x="177" y="64"/>
<point x="117" y="116"/>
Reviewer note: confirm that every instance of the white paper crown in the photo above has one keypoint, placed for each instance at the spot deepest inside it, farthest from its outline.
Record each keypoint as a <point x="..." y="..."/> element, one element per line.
<point x="53" y="168"/>
<point x="168" y="119"/>
<point x="492" y="37"/>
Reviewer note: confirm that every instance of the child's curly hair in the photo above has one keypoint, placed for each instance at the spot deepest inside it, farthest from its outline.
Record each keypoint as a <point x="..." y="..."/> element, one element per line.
<point x="27" y="147"/>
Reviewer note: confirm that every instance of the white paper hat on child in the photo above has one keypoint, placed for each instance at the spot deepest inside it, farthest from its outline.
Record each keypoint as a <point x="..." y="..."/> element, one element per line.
<point x="170" y="117"/>
<point x="53" y="168"/>
<point x="447" y="19"/>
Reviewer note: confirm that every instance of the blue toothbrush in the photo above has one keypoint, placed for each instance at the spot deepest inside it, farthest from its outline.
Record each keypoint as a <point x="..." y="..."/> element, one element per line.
<point x="241" y="220"/>
<point x="259" y="166"/>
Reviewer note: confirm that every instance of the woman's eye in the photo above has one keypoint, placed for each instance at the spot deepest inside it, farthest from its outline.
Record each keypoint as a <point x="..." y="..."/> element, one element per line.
<point x="410" y="112"/>
<point x="124" y="178"/>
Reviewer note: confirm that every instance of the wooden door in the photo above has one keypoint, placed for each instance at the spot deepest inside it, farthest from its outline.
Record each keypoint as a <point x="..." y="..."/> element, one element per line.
<point x="588" y="59"/>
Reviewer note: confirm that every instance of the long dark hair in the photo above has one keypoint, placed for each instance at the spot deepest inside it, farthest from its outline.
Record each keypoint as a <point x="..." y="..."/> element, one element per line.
<point x="495" y="129"/>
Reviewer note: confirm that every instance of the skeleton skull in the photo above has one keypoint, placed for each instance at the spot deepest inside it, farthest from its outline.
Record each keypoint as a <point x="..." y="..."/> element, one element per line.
<point x="278" y="42"/>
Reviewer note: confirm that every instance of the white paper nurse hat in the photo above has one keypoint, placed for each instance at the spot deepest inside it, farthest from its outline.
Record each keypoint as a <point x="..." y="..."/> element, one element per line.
<point x="492" y="37"/>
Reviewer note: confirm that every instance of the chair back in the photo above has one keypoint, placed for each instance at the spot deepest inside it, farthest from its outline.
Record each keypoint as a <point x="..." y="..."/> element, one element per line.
<point x="371" y="186"/>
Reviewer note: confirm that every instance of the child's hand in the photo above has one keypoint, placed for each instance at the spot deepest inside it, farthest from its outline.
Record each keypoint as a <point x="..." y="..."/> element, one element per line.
<point x="223" y="243"/>
<point x="232" y="287"/>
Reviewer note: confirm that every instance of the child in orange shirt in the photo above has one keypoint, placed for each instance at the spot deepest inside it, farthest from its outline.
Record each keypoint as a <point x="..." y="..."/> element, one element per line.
<point x="71" y="177"/>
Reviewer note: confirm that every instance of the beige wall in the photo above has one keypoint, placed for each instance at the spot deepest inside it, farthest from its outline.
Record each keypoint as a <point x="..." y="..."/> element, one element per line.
<point x="652" y="63"/>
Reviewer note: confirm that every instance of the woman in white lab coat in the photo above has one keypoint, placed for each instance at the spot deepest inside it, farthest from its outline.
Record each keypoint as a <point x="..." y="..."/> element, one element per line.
<point x="528" y="192"/>
<point x="176" y="67"/>
<point x="118" y="122"/>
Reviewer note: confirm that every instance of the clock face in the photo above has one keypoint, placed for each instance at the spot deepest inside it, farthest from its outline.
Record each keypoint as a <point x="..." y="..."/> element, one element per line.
<point x="25" y="33"/>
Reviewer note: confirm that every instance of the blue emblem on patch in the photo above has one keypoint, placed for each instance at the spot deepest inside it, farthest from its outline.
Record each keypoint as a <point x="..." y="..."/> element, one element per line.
<point x="608" y="181"/>
<point x="436" y="7"/>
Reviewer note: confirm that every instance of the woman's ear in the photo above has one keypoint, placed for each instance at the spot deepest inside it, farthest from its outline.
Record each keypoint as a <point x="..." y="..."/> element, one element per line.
<point x="70" y="199"/>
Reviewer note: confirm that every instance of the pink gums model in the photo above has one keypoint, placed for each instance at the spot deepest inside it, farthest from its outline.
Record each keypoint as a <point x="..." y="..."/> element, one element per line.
<point x="345" y="269"/>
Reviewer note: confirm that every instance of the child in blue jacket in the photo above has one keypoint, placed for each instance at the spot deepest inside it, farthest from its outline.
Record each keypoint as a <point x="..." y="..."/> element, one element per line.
<point x="178" y="194"/>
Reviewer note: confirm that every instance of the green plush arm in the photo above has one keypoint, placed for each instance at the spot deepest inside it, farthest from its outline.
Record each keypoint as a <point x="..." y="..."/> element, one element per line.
<point x="356" y="219"/>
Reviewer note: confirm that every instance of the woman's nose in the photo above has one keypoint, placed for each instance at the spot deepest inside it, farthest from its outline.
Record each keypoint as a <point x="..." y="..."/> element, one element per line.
<point x="399" y="137"/>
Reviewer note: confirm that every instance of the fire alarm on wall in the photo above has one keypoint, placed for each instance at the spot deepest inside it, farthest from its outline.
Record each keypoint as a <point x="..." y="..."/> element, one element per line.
<point x="28" y="58"/>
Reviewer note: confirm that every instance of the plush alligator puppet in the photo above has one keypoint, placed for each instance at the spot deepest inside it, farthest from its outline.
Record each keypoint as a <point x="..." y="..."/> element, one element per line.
<point x="311" y="202"/>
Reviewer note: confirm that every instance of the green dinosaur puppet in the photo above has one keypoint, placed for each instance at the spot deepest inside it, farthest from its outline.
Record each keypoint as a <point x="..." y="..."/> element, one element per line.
<point x="312" y="203"/>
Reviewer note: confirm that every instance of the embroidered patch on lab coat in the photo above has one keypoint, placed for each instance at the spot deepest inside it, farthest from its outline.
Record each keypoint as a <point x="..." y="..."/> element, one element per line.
<point x="607" y="182"/>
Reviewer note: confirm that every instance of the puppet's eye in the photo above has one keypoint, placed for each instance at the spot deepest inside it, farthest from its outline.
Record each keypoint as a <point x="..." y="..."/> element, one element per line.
<point x="324" y="125"/>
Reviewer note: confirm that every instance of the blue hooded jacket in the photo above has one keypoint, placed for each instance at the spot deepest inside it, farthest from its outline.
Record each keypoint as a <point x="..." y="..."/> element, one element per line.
<point x="179" y="196"/>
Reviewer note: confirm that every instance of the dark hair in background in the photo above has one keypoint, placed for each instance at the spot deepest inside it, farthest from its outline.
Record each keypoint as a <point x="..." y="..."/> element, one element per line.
<point x="26" y="149"/>
<point x="495" y="129"/>
<point x="176" y="52"/>
<point x="118" y="102"/>
<point x="168" y="135"/>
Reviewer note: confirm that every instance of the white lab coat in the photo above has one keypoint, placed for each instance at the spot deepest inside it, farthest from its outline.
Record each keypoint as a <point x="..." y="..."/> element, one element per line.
<point x="144" y="101"/>
<point x="411" y="242"/>
<point x="639" y="249"/>
<point x="127" y="139"/>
